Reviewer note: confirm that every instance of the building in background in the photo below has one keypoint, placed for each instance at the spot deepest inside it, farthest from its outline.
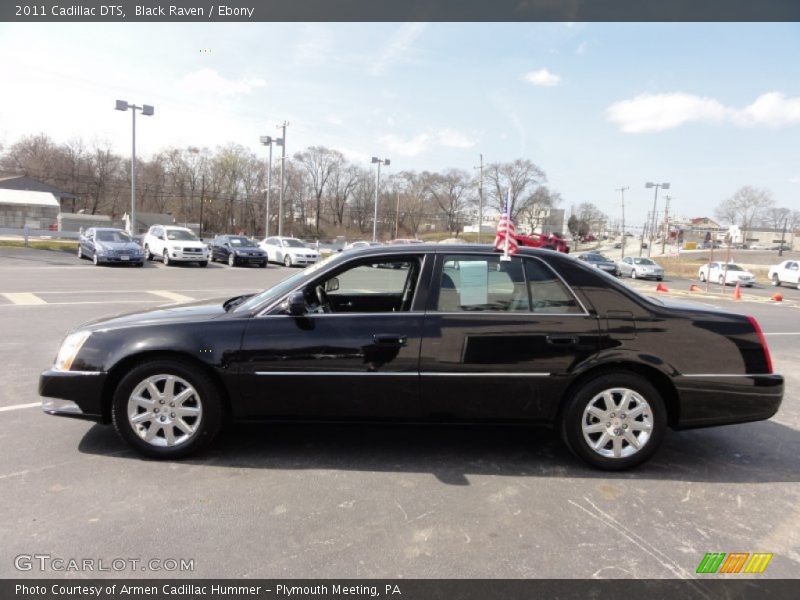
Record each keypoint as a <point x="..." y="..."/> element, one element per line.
<point x="28" y="209"/>
<point x="22" y="182"/>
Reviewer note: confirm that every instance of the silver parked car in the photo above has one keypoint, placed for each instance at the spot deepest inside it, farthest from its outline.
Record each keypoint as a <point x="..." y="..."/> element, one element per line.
<point x="640" y="267"/>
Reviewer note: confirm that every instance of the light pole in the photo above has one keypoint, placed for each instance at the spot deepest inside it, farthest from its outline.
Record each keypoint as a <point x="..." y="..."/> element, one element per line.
<point x="147" y="111"/>
<point x="622" y="197"/>
<point x="379" y="162"/>
<point x="480" y="199"/>
<point x="664" y="186"/>
<point x="282" y="143"/>
<point x="268" y="140"/>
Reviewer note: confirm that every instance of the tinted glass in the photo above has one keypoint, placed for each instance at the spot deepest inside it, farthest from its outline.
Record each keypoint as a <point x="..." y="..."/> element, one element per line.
<point x="548" y="294"/>
<point x="293" y="243"/>
<point x="180" y="234"/>
<point x="241" y="241"/>
<point x="482" y="283"/>
<point x="387" y="277"/>
<point x="113" y="236"/>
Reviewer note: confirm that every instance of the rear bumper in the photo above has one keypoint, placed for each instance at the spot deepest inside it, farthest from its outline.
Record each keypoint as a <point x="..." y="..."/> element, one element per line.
<point x="710" y="399"/>
<point x="76" y="394"/>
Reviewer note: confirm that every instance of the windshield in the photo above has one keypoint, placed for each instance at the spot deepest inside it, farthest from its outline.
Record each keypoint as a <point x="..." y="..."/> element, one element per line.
<point x="112" y="236"/>
<point x="180" y="234"/>
<point x="286" y="285"/>
<point x="241" y="241"/>
<point x="596" y="258"/>
<point x="733" y="267"/>
<point x="643" y="261"/>
<point x="293" y="243"/>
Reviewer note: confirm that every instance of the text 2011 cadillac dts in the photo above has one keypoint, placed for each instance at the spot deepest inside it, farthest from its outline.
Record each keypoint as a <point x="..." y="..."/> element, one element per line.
<point x="423" y="333"/>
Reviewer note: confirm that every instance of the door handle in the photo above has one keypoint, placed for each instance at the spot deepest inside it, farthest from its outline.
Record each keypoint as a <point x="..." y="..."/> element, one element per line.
<point x="390" y="339"/>
<point x="562" y="339"/>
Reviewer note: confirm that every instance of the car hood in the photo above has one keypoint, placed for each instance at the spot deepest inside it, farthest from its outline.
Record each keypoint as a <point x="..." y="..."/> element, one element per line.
<point x="292" y="250"/>
<point x="118" y="245"/>
<point x="186" y="243"/>
<point x="202" y="310"/>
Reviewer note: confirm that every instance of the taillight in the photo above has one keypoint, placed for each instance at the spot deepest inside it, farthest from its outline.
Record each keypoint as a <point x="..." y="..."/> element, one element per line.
<point x="763" y="341"/>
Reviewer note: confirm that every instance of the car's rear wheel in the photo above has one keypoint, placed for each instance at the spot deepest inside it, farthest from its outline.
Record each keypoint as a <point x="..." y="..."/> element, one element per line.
<point x="615" y="421"/>
<point x="702" y="276"/>
<point x="722" y="280"/>
<point x="167" y="409"/>
<point x="776" y="280"/>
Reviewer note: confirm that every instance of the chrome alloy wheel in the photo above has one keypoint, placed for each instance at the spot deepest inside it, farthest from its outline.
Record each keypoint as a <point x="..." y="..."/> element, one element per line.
<point x="617" y="423"/>
<point x="165" y="410"/>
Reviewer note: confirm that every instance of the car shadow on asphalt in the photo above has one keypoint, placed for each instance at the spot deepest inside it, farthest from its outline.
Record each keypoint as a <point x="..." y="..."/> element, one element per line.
<point x="764" y="452"/>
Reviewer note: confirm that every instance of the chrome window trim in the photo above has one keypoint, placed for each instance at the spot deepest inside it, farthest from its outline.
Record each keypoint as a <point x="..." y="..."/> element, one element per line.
<point x="425" y="256"/>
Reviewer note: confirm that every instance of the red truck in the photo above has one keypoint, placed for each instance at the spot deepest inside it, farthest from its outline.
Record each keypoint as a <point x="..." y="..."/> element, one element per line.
<point x="551" y="241"/>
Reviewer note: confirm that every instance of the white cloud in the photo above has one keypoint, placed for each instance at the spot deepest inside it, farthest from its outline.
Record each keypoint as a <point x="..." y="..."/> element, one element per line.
<point x="658" y="112"/>
<point x="542" y="77"/>
<point x="417" y="144"/>
<point x="208" y="81"/>
<point x="398" y="46"/>
<point x="454" y="139"/>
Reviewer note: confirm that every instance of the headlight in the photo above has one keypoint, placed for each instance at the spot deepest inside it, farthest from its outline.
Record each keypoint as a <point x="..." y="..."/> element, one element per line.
<point x="69" y="350"/>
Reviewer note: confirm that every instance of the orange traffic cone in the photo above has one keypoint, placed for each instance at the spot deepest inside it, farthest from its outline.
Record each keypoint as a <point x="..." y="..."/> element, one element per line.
<point x="737" y="293"/>
<point x="694" y="288"/>
<point x="777" y="297"/>
<point x="661" y="288"/>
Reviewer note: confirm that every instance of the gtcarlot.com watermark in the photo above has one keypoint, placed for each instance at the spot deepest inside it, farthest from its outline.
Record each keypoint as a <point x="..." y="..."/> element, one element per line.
<point x="58" y="564"/>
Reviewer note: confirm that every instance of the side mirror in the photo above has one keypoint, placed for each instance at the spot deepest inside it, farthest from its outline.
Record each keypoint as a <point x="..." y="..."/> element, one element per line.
<point x="295" y="304"/>
<point x="332" y="284"/>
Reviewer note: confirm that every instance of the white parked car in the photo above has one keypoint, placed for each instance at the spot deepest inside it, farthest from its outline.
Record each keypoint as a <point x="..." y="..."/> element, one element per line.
<point x="289" y="251"/>
<point x="361" y="244"/>
<point x="173" y="244"/>
<point x="786" y="272"/>
<point x="716" y="272"/>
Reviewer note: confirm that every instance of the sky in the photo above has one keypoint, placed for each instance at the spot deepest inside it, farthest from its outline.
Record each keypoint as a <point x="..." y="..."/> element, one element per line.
<point x="706" y="107"/>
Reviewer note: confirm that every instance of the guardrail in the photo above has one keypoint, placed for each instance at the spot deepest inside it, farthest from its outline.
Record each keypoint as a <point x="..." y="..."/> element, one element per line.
<point x="42" y="234"/>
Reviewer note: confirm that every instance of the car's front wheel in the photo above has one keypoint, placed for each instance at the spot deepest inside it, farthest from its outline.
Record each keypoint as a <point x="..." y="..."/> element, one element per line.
<point x="633" y="273"/>
<point x="166" y="258"/>
<point x="721" y="280"/>
<point x="615" y="421"/>
<point x="80" y="251"/>
<point x="167" y="409"/>
<point x="702" y="276"/>
<point x="287" y="260"/>
<point x="148" y="255"/>
<point x="231" y="260"/>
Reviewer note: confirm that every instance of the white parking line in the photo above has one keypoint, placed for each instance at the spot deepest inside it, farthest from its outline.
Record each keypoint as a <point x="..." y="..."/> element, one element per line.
<point x="20" y="406"/>
<point x="171" y="295"/>
<point x="23" y="298"/>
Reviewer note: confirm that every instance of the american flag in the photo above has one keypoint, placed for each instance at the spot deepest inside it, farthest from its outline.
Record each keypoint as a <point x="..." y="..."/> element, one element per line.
<point x="506" y="238"/>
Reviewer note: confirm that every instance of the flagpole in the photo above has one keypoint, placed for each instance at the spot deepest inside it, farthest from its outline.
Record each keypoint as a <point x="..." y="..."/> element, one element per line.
<point x="508" y="223"/>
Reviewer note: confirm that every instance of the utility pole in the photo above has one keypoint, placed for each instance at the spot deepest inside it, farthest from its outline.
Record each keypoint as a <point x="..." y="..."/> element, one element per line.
<point x="622" y="197"/>
<point x="480" y="199"/>
<point x="397" y="216"/>
<point x="283" y="166"/>
<point x="664" y="186"/>
<point x="268" y="140"/>
<point x="666" y="225"/>
<point x="783" y="236"/>
<point x="644" y="233"/>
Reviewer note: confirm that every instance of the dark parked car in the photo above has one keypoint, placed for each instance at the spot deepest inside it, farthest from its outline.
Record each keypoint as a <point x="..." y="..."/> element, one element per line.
<point x="110" y="245"/>
<point x="453" y="334"/>
<point x="598" y="261"/>
<point x="237" y="250"/>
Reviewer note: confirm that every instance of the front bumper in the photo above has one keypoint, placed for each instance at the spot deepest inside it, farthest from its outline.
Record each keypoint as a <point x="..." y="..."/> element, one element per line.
<point x="250" y="260"/>
<point x="650" y="274"/>
<point x="132" y="259"/>
<point x="178" y="254"/>
<point x="710" y="399"/>
<point x="76" y="394"/>
<point x="304" y="260"/>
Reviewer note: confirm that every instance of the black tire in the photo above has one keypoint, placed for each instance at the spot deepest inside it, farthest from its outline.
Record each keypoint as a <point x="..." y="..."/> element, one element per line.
<point x="165" y="259"/>
<point x="573" y="414"/>
<point x="702" y="277"/>
<point x="776" y="280"/>
<point x="148" y="255"/>
<point x="633" y="273"/>
<point x="80" y="252"/>
<point x="140" y="264"/>
<point x="95" y="260"/>
<point x="287" y="261"/>
<point x="211" y="400"/>
<point x="203" y="263"/>
<point x="231" y="260"/>
<point x="263" y="265"/>
<point x="659" y="279"/>
<point x="722" y="281"/>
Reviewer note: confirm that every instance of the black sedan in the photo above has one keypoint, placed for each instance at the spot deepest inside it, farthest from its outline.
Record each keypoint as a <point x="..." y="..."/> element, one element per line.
<point x="598" y="261"/>
<point x="105" y="245"/>
<point x="237" y="250"/>
<point x="445" y="333"/>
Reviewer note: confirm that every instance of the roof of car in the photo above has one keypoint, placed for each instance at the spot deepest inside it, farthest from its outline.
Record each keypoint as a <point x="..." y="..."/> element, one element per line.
<point x="443" y="248"/>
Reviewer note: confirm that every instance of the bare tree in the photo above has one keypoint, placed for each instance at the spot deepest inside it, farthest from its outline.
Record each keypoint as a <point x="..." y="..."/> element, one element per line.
<point x="342" y="183"/>
<point x="450" y="192"/>
<point x="521" y="177"/>
<point x="744" y="207"/>
<point x="319" y="162"/>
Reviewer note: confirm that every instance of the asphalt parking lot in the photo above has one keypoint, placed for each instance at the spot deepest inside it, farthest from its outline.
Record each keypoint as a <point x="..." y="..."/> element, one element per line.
<point x="358" y="501"/>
